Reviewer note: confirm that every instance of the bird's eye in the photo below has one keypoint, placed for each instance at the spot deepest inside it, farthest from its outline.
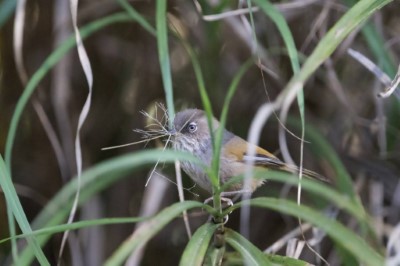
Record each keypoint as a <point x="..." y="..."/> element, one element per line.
<point x="192" y="127"/>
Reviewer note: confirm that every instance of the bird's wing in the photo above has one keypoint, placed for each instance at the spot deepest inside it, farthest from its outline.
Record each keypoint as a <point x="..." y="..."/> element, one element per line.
<point x="271" y="162"/>
<point x="264" y="158"/>
<point x="237" y="148"/>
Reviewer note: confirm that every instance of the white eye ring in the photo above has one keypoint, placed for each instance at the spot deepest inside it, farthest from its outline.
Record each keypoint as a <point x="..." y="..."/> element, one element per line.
<point x="192" y="127"/>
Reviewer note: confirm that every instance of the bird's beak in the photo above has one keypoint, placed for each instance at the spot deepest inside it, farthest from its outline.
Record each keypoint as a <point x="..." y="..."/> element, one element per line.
<point x="172" y="131"/>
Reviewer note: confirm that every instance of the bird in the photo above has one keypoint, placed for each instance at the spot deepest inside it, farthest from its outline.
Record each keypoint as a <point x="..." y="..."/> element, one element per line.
<point x="191" y="134"/>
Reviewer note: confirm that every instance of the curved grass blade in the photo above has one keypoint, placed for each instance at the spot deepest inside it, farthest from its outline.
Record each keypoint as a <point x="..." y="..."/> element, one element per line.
<point x="137" y="17"/>
<point x="94" y="180"/>
<point x="15" y="205"/>
<point x="284" y="29"/>
<point x="194" y="253"/>
<point x="343" y="236"/>
<point x="53" y="58"/>
<point x="77" y="225"/>
<point x="323" y="191"/>
<point x="224" y="114"/>
<point x="144" y="233"/>
<point x="375" y="43"/>
<point x="205" y="99"/>
<point x="44" y="69"/>
<point x="317" y="188"/>
<point x="349" y="21"/>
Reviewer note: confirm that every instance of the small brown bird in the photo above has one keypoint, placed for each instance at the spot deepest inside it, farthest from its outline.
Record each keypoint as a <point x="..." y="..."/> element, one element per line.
<point x="191" y="134"/>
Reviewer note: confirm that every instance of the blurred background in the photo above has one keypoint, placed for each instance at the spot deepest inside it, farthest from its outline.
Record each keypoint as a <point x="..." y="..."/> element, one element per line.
<point x="341" y="102"/>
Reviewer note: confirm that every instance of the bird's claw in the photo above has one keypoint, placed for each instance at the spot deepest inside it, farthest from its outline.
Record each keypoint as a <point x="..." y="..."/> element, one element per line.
<point x="228" y="201"/>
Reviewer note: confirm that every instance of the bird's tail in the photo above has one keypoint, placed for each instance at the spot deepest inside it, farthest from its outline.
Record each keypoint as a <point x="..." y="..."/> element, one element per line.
<point x="305" y="172"/>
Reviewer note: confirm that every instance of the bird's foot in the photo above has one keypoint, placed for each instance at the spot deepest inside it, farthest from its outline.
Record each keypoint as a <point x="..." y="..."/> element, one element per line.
<point x="228" y="202"/>
<point x="236" y="194"/>
<point x="225" y="203"/>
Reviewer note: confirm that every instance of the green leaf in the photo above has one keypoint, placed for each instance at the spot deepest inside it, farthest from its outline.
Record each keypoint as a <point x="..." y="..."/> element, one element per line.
<point x="148" y="229"/>
<point x="250" y="253"/>
<point x="194" y="253"/>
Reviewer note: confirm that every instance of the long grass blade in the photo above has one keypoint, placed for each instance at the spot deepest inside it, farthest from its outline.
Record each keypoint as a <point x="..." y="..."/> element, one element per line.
<point x="137" y="17"/>
<point x="19" y="20"/>
<point x="163" y="55"/>
<point x="194" y="253"/>
<point x="19" y="214"/>
<point x="51" y="230"/>
<point x="343" y="236"/>
<point x="144" y="233"/>
<point x="94" y="180"/>
<point x="53" y="58"/>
